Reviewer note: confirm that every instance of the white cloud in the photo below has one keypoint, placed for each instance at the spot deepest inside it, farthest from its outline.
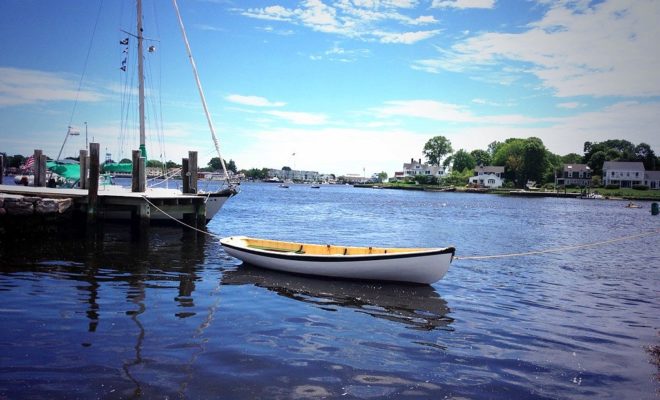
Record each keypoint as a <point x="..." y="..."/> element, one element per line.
<point x="608" y="49"/>
<point x="365" y="20"/>
<point x="331" y="150"/>
<point x="405" y="37"/>
<point x="570" y="105"/>
<point x="340" y="54"/>
<point x="438" y="111"/>
<point x="254" y="101"/>
<point x="23" y="86"/>
<point x="463" y="4"/>
<point x="299" y="118"/>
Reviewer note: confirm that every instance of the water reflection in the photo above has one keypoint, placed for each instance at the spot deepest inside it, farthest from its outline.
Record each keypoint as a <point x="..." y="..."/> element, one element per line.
<point x="418" y="307"/>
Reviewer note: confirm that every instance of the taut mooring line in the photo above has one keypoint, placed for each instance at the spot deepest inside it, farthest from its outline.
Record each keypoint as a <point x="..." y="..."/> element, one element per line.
<point x="560" y="249"/>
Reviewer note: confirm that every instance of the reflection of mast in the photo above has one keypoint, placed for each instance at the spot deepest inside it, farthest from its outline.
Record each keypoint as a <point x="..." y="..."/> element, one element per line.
<point x="138" y="299"/>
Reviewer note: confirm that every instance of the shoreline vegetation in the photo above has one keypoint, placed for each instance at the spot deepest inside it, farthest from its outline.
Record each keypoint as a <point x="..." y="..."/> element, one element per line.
<point x="608" y="194"/>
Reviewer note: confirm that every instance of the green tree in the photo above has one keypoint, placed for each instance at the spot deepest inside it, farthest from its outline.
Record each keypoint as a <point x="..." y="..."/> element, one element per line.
<point x="382" y="176"/>
<point x="523" y="159"/>
<point x="15" y="161"/>
<point x="645" y="154"/>
<point x="456" y="178"/>
<point x="463" y="160"/>
<point x="571" y="158"/>
<point x="436" y="149"/>
<point x="170" y="164"/>
<point x="125" y="161"/>
<point x="493" y="146"/>
<point x="216" y="165"/>
<point x="256" y="173"/>
<point x="154" y="164"/>
<point x="596" y="162"/>
<point x="535" y="159"/>
<point x="285" y="168"/>
<point x="481" y="157"/>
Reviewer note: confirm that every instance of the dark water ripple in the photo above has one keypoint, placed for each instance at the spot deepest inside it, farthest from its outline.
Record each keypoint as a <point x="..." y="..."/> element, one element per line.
<point x="173" y="316"/>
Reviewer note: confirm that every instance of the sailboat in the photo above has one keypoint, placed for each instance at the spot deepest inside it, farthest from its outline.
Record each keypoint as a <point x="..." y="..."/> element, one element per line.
<point x="213" y="200"/>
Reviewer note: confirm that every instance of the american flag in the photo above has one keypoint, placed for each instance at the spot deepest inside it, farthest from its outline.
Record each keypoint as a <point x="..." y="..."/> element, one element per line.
<point x="29" y="162"/>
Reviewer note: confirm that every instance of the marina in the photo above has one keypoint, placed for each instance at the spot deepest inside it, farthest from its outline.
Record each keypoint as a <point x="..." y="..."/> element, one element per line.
<point x="510" y="251"/>
<point x="172" y="314"/>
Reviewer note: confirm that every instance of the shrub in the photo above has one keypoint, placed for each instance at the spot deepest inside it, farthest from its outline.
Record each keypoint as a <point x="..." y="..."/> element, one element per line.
<point x="610" y="186"/>
<point x="640" y="187"/>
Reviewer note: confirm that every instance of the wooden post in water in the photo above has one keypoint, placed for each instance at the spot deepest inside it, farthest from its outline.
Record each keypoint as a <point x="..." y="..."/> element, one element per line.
<point x="192" y="166"/>
<point x="142" y="174"/>
<point x="35" y="167"/>
<point x="93" y="189"/>
<point x="39" y="172"/>
<point x="84" y="165"/>
<point x="42" y="170"/>
<point x="185" y="175"/>
<point x="135" y="181"/>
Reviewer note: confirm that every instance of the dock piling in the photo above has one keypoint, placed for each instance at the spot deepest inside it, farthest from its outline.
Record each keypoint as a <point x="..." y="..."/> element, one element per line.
<point x="84" y="165"/>
<point x="185" y="175"/>
<point x="192" y="167"/>
<point x="139" y="172"/>
<point x="93" y="189"/>
<point x="39" y="169"/>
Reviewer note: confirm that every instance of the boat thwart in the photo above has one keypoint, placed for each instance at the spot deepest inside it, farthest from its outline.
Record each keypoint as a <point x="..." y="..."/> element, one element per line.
<point x="415" y="265"/>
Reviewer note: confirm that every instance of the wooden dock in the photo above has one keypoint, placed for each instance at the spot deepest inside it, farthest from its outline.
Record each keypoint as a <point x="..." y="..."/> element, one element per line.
<point x="138" y="204"/>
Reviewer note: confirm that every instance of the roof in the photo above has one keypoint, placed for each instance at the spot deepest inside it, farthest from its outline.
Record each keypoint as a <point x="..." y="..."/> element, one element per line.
<point x="576" y="168"/>
<point x="489" y="169"/>
<point x="652" y="175"/>
<point x="624" y="165"/>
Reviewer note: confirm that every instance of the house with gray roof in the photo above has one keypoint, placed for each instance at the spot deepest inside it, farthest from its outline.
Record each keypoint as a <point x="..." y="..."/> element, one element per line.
<point x="574" y="174"/>
<point x="652" y="179"/>
<point x="487" y="176"/>
<point x="625" y="174"/>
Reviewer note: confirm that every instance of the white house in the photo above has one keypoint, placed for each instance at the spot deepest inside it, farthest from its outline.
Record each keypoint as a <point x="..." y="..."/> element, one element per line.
<point x="415" y="168"/>
<point x="652" y="179"/>
<point x="489" y="176"/>
<point x="625" y="174"/>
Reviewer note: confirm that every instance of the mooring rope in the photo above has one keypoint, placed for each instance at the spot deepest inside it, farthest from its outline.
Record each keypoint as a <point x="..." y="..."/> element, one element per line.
<point x="508" y="255"/>
<point x="560" y="249"/>
<point x="180" y="222"/>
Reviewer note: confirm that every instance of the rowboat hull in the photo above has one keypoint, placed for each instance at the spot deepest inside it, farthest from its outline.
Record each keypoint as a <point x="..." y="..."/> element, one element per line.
<point x="423" y="266"/>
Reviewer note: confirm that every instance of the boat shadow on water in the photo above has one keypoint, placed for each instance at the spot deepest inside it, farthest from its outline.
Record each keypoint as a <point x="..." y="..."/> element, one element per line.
<point x="418" y="307"/>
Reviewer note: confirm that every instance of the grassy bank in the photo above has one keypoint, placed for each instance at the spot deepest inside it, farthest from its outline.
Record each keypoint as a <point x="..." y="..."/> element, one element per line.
<point x="627" y="194"/>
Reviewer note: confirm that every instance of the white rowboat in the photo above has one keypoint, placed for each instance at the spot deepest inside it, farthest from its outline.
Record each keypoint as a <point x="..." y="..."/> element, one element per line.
<point x="415" y="265"/>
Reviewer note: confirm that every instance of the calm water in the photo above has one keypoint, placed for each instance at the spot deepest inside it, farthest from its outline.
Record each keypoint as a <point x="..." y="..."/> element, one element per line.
<point x="175" y="317"/>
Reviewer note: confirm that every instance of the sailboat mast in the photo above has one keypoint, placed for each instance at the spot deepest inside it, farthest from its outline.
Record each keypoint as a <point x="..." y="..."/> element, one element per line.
<point x="200" y="90"/>
<point x="140" y="54"/>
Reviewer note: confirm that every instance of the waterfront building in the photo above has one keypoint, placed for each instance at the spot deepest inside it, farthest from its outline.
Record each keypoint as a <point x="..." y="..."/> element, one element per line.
<point x="488" y="176"/>
<point x="416" y="168"/>
<point x="652" y="179"/>
<point x="294" y="175"/>
<point x="625" y="174"/>
<point x="574" y="174"/>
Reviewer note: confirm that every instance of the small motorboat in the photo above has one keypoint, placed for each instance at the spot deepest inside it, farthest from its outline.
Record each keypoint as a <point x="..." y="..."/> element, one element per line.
<point x="633" y="205"/>
<point x="414" y="265"/>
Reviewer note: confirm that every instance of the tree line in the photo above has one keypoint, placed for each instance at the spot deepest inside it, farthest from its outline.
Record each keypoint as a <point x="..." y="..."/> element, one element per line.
<point x="529" y="160"/>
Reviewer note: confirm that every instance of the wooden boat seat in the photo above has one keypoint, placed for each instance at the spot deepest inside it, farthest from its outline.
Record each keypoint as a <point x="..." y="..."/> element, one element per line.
<point x="278" y="249"/>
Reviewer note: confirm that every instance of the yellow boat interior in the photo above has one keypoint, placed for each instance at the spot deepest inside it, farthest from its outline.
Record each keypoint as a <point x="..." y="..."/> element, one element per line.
<point x="321" y="249"/>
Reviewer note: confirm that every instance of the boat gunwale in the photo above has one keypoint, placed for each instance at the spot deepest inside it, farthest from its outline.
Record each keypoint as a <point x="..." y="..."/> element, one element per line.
<point x="339" y="257"/>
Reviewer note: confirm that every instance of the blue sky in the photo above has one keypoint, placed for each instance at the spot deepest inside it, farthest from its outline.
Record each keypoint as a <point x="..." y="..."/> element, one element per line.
<point x="348" y="86"/>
